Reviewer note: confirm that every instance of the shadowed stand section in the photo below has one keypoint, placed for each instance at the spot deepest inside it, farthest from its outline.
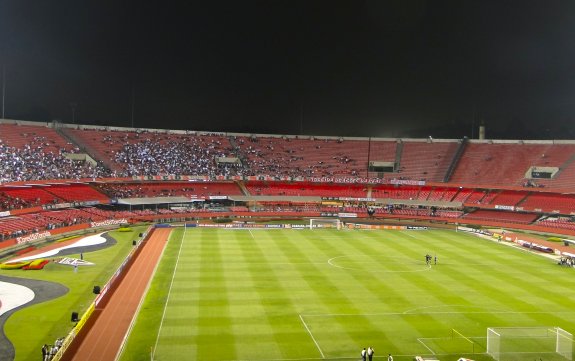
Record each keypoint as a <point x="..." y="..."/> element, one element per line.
<point x="103" y="340"/>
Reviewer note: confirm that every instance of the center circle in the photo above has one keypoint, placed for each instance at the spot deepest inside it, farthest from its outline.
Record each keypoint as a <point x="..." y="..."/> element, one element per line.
<point x="378" y="264"/>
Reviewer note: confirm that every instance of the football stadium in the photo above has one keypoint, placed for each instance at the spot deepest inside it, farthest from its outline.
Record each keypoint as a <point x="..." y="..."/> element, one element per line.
<point x="296" y="180"/>
<point x="157" y="244"/>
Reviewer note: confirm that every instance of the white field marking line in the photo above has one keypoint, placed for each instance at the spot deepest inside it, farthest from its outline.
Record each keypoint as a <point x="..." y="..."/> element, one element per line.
<point x="329" y="262"/>
<point x="436" y="313"/>
<point x="413" y="310"/>
<point x="133" y="321"/>
<point x="354" y="358"/>
<point x="511" y="244"/>
<point x="463" y="336"/>
<point x="407" y="234"/>
<point x="313" y="338"/>
<point x="450" y="338"/>
<point x="348" y="358"/>
<point x="169" y="294"/>
<point x="275" y="263"/>
<point x="424" y="345"/>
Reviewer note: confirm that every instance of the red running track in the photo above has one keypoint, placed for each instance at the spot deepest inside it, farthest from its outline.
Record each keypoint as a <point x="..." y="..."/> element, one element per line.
<point x="105" y="337"/>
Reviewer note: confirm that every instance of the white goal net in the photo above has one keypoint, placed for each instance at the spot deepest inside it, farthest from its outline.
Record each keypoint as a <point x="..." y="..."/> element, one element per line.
<point x="507" y="343"/>
<point x="315" y="223"/>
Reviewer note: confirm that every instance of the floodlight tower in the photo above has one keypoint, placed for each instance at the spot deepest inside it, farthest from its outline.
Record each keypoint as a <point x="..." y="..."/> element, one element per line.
<point x="3" y="91"/>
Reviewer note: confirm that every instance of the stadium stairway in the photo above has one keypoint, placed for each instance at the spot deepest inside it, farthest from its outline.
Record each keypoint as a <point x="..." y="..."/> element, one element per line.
<point x="73" y="137"/>
<point x="565" y="166"/>
<point x="398" y="153"/>
<point x="455" y="160"/>
<point x="243" y="188"/>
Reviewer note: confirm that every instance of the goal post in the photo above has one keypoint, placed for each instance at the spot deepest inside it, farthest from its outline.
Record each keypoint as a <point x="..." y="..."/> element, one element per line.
<point x="564" y="343"/>
<point x="315" y="223"/>
<point x="493" y="343"/>
<point x="535" y="341"/>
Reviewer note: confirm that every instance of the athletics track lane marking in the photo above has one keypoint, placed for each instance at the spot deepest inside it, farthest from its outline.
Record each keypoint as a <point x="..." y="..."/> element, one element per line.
<point x="105" y="337"/>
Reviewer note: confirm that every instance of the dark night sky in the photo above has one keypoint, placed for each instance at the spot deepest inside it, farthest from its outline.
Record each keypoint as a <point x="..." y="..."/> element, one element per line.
<point x="356" y="68"/>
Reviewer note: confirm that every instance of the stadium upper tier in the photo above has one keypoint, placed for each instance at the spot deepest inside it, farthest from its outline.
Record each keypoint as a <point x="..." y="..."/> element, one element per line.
<point x="36" y="151"/>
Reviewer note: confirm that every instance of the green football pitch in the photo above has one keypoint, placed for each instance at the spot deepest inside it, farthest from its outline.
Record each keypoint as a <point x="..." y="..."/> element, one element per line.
<point x="221" y="294"/>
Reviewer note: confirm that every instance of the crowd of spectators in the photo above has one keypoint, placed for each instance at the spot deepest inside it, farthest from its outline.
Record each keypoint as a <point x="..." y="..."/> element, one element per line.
<point x="122" y="190"/>
<point x="143" y="153"/>
<point x="49" y="351"/>
<point x="158" y="189"/>
<point x="287" y="157"/>
<point x="530" y="183"/>
<point x="8" y="202"/>
<point x="30" y="162"/>
<point x="14" y="227"/>
<point x="157" y="154"/>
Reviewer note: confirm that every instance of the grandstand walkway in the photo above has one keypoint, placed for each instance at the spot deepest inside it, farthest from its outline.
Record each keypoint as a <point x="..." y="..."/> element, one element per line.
<point x="105" y="338"/>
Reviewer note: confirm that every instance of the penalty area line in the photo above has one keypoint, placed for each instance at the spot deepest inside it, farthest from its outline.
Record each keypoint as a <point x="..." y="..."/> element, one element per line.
<point x="311" y="335"/>
<point x="424" y="345"/>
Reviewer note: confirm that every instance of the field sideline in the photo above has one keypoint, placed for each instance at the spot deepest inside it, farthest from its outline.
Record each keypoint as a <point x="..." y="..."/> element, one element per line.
<point x="223" y="294"/>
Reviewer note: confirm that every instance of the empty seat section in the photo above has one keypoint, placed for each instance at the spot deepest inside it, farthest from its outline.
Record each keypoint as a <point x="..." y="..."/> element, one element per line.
<point x="76" y="192"/>
<point x="283" y="156"/>
<point x="395" y="192"/>
<point x="33" y="195"/>
<point x="551" y="203"/>
<point x="557" y="223"/>
<point x="170" y="189"/>
<point x="426" y="160"/>
<point x="501" y="216"/>
<point x="306" y="189"/>
<point x="508" y="198"/>
<point x="40" y="137"/>
<point x="506" y="163"/>
<point x="442" y="194"/>
<point x="462" y="195"/>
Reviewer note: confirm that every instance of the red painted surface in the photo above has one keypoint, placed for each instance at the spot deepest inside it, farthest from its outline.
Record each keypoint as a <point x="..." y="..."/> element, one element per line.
<point x="104" y="338"/>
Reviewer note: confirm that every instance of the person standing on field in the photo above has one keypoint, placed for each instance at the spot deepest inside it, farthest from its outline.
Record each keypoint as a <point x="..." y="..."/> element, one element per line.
<point x="389" y="358"/>
<point x="370" y="352"/>
<point x="363" y="354"/>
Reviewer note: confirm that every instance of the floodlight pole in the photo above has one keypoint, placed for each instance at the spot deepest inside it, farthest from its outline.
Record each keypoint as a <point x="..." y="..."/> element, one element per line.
<point x="301" y="118"/>
<point x="133" y="101"/>
<point x="368" y="157"/>
<point x="3" y="91"/>
<point x="73" y="106"/>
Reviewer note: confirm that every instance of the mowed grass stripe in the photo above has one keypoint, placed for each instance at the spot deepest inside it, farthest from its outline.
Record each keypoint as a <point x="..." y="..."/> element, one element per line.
<point x="271" y="277"/>
<point x="403" y="249"/>
<point x="450" y="299"/>
<point x="275" y="327"/>
<point x="372" y="284"/>
<point x="521" y="278"/>
<point x="376" y="290"/>
<point x="426" y="287"/>
<point x="365" y="288"/>
<point x="213" y="329"/>
<point x="513" y="289"/>
<point x="507" y="293"/>
<point x="373" y="248"/>
<point x="331" y="296"/>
